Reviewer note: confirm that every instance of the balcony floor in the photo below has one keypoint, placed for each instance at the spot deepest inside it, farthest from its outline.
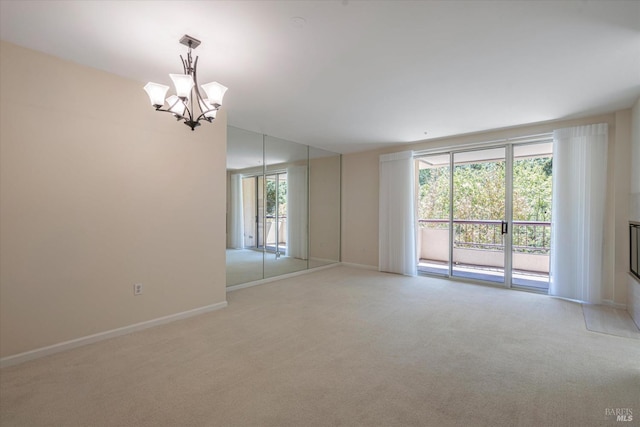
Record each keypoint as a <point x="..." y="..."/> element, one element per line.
<point x="523" y="279"/>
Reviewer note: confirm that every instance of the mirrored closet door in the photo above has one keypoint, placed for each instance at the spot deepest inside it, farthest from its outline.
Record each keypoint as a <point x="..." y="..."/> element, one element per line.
<point x="245" y="206"/>
<point x="283" y="207"/>
<point x="286" y="213"/>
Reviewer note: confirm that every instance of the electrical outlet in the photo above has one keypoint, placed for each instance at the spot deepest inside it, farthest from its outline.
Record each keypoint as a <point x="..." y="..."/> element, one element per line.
<point x="137" y="289"/>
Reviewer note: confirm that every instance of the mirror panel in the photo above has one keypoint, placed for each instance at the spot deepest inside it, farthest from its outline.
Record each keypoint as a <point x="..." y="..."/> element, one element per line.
<point x="324" y="207"/>
<point x="245" y="201"/>
<point x="286" y="218"/>
<point x="283" y="207"/>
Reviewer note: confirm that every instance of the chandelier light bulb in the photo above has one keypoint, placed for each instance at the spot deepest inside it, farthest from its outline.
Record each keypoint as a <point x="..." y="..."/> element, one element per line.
<point x="215" y="92"/>
<point x="176" y="106"/>
<point x="208" y="110"/>
<point x="157" y="93"/>
<point x="183" y="84"/>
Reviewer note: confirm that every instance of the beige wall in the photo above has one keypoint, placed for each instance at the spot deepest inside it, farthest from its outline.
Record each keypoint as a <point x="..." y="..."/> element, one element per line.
<point x="360" y="182"/>
<point x="360" y="193"/>
<point x="99" y="192"/>
<point x="324" y="208"/>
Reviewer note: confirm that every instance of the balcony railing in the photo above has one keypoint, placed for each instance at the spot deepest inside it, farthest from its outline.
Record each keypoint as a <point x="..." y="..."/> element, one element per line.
<point x="528" y="237"/>
<point x="270" y="230"/>
<point x="478" y="251"/>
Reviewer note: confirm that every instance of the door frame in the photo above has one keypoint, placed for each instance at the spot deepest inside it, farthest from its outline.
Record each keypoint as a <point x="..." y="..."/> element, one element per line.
<point x="508" y="209"/>
<point x="508" y="144"/>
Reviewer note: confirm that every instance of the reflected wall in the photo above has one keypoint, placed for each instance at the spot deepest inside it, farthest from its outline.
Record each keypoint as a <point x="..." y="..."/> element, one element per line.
<point x="283" y="207"/>
<point x="324" y="207"/>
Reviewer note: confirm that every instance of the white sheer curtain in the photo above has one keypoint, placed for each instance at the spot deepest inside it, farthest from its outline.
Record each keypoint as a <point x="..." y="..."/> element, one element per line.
<point x="577" y="223"/>
<point x="236" y="215"/>
<point x="397" y="237"/>
<point x="297" y="211"/>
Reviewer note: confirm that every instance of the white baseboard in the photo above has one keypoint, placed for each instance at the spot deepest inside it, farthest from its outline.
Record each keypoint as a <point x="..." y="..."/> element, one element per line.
<point x="363" y="266"/>
<point x="324" y="260"/>
<point x="610" y="303"/>
<point x="281" y="277"/>
<point x="78" y="342"/>
<point x="605" y="302"/>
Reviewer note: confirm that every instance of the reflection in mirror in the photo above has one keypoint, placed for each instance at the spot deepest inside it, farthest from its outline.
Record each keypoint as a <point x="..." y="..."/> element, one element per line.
<point x="245" y="174"/>
<point x="324" y="207"/>
<point x="283" y="207"/>
<point x="286" y="207"/>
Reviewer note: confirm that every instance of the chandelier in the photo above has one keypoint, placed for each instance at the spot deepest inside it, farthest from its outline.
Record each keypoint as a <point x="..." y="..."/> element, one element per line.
<point x="182" y="104"/>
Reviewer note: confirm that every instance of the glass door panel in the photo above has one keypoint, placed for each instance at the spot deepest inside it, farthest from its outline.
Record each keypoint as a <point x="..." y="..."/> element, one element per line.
<point x="270" y="215"/>
<point x="276" y="213"/>
<point x="260" y="219"/>
<point x="479" y="215"/>
<point x="324" y="196"/>
<point x="245" y="159"/>
<point x="433" y="213"/>
<point x="250" y="212"/>
<point x="531" y="215"/>
<point x="295" y="241"/>
<point x="286" y="213"/>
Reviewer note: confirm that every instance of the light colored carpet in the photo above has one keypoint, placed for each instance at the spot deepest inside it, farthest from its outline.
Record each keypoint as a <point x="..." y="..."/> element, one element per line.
<point x="342" y="347"/>
<point x="609" y="320"/>
<point x="246" y="265"/>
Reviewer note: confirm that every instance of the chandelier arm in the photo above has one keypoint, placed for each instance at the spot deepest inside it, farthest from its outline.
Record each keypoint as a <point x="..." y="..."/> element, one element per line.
<point x="174" y="104"/>
<point x="190" y="69"/>
<point x="187" y="120"/>
<point x="195" y="78"/>
<point x="186" y="107"/>
<point x="197" y="89"/>
<point x="203" y="117"/>
<point x="184" y="64"/>
<point x="204" y="114"/>
<point x="164" y="110"/>
<point x="203" y="111"/>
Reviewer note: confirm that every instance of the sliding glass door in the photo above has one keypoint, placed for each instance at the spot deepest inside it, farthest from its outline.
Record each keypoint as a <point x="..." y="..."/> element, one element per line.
<point x="485" y="214"/>
<point x="434" y="206"/>
<point x="532" y="168"/>
<point x="275" y="218"/>
<point x="479" y="217"/>
<point x="251" y="210"/>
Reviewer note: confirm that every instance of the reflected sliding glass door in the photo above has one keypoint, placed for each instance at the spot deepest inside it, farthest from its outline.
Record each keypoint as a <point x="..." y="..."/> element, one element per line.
<point x="275" y="218"/>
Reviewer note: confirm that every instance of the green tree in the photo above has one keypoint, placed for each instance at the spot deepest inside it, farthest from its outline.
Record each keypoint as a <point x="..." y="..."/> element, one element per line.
<point x="280" y="195"/>
<point x="479" y="194"/>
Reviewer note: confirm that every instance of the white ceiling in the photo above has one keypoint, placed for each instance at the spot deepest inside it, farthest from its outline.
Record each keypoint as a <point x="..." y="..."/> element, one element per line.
<point x="360" y="74"/>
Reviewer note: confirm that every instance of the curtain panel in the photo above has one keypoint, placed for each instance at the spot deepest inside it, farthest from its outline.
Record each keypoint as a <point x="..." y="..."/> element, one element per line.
<point x="297" y="212"/>
<point x="577" y="218"/>
<point x="397" y="237"/>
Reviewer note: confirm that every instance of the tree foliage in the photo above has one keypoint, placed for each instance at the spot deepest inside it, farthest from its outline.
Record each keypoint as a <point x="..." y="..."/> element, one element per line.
<point x="479" y="194"/>
<point x="279" y="193"/>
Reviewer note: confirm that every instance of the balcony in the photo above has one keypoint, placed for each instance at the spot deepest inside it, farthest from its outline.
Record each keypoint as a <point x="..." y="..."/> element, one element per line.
<point x="275" y="232"/>
<point x="478" y="250"/>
